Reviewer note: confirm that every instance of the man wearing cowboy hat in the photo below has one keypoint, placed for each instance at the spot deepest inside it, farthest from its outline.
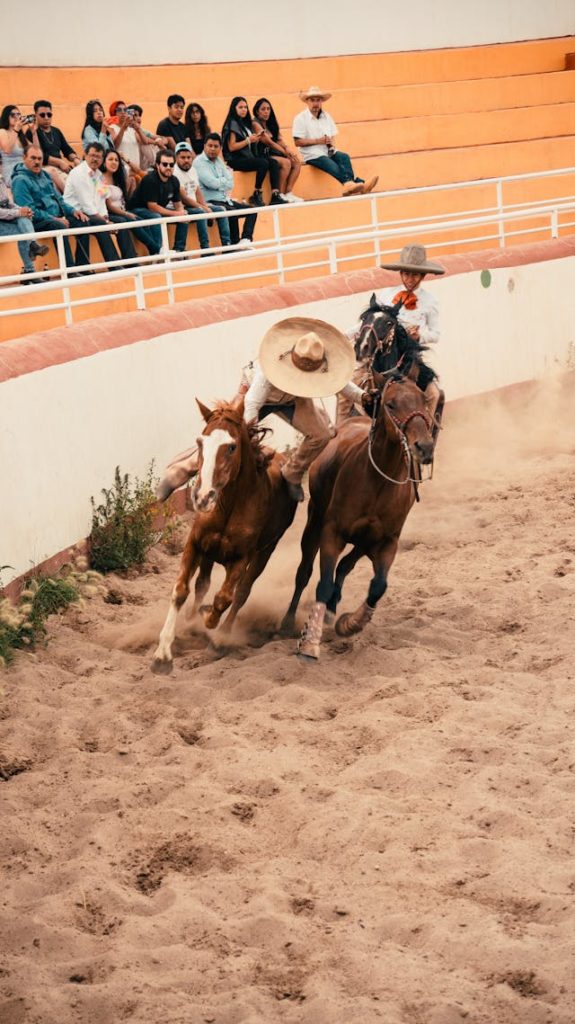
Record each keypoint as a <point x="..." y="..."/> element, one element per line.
<point x="299" y="359"/>
<point x="419" y="313"/>
<point x="314" y="133"/>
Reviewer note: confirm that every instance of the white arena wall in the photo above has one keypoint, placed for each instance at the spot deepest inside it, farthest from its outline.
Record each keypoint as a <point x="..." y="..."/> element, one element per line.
<point x="72" y="34"/>
<point x="65" y="427"/>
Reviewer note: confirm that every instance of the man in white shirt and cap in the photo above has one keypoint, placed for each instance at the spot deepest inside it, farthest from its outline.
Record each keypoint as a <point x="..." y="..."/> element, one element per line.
<point x="314" y="133"/>
<point x="300" y="359"/>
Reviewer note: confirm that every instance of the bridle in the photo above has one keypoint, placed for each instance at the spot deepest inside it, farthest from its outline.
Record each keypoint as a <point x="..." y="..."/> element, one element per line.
<point x="400" y="426"/>
<point x="367" y="330"/>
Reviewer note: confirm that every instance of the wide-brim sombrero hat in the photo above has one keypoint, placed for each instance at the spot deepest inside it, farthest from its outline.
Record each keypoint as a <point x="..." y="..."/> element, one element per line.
<point x="314" y="90"/>
<point x="307" y="358"/>
<point x="414" y="258"/>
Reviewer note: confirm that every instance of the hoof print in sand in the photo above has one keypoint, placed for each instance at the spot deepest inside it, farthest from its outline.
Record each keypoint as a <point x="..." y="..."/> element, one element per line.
<point x="182" y="855"/>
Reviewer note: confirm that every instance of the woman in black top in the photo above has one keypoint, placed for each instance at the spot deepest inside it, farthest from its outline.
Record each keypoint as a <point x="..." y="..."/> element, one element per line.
<point x="240" y="137"/>
<point x="197" y="126"/>
<point x="272" y="143"/>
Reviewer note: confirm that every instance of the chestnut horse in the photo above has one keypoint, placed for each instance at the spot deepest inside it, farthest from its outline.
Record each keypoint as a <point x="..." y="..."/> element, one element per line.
<point x="362" y="487"/>
<point x="242" y="509"/>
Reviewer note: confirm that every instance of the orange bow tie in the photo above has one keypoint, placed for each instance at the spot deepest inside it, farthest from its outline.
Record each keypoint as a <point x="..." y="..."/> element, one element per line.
<point x="409" y="299"/>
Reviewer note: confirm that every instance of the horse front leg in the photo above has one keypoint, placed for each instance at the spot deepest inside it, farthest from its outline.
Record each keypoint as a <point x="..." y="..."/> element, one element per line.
<point x="202" y="584"/>
<point x="354" y="622"/>
<point x="225" y="594"/>
<point x="345" y="566"/>
<point x="244" y="587"/>
<point x="309" y="548"/>
<point x="331" y="547"/>
<point x="163" y="661"/>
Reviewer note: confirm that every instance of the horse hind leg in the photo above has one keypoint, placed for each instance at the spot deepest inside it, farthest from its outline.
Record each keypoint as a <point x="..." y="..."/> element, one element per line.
<point x="346" y="564"/>
<point x="202" y="584"/>
<point x="163" y="661"/>
<point x="225" y="594"/>
<point x="244" y="587"/>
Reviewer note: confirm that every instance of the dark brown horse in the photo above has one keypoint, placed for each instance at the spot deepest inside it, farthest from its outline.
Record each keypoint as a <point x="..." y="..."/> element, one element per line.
<point x="362" y="487"/>
<point x="242" y="509"/>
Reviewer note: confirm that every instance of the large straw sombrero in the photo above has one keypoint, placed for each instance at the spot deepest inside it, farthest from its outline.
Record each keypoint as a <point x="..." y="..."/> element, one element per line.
<point x="314" y="90"/>
<point x="306" y="358"/>
<point x="414" y="258"/>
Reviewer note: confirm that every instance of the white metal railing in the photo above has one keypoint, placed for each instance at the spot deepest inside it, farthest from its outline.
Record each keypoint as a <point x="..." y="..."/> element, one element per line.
<point x="499" y="223"/>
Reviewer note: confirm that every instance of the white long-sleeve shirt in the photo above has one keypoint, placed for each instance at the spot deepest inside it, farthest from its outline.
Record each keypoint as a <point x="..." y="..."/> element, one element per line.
<point x="261" y="391"/>
<point x="86" y="192"/>
<point x="425" y="315"/>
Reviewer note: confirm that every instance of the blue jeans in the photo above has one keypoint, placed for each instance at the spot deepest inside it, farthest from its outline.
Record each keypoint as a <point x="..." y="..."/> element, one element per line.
<point x="151" y="236"/>
<point x="20" y="226"/>
<point x="181" y="237"/>
<point x="338" y="165"/>
<point x="230" y="229"/>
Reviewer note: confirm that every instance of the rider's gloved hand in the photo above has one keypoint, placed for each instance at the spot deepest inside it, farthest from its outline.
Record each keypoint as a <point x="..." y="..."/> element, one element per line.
<point x="367" y="401"/>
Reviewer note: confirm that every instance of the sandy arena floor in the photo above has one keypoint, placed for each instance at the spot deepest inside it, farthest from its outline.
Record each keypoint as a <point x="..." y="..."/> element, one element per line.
<point x="385" y="836"/>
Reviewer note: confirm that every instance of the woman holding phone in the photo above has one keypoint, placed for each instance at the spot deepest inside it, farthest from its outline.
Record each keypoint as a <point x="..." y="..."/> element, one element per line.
<point x="239" y="138"/>
<point x="271" y="141"/>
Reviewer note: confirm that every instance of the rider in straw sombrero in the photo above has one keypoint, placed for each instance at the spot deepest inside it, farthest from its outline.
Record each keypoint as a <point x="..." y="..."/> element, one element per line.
<point x="300" y="359"/>
<point x="419" y="313"/>
<point x="314" y="133"/>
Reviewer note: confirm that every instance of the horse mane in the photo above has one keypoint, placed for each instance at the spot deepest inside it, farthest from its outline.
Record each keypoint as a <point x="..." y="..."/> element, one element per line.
<point x="256" y="435"/>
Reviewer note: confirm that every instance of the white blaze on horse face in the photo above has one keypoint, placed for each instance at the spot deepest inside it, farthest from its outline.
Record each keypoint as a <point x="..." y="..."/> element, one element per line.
<point x="211" y="444"/>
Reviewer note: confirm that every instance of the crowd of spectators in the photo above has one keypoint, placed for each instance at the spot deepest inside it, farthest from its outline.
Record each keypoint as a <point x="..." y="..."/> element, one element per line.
<point x="128" y="173"/>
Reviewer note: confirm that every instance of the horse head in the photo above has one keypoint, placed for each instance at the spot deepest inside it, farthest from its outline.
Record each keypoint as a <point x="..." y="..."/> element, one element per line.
<point x="377" y="331"/>
<point x="219" y="450"/>
<point x="403" y="416"/>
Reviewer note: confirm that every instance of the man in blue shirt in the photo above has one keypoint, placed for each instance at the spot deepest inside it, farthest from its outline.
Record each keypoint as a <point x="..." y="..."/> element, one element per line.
<point x="216" y="181"/>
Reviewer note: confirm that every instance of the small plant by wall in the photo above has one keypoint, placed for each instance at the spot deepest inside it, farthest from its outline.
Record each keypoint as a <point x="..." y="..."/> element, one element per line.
<point x="22" y="624"/>
<point x="123" y="528"/>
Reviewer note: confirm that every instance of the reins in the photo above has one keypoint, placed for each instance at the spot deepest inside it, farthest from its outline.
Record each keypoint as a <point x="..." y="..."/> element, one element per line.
<point x="400" y="427"/>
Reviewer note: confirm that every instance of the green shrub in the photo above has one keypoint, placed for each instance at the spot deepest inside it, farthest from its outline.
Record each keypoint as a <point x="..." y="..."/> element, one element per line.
<point x="23" y="624"/>
<point x="123" y="525"/>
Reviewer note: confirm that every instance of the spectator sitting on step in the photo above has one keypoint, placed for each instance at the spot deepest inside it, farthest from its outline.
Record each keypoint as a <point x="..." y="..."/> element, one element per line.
<point x="157" y="195"/>
<point x="191" y="196"/>
<point x="33" y="187"/>
<point x="59" y="157"/>
<point x="96" y="128"/>
<point x="172" y="128"/>
<point x="12" y="139"/>
<point x="85" y="192"/>
<point x="16" y="220"/>
<point x="272" y="145"/>
<point x="139" y="146"/>
<point x="240" y="138"/>
<point x="314" y="133"/>
<point x="197" y="126"/>
<point x="217" y="181"/>
<point x="114" y="177"/>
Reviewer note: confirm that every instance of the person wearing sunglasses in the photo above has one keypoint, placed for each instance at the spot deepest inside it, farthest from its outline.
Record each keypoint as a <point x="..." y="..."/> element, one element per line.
<point x="59" y="156"/>
<point x="157" y="195"/>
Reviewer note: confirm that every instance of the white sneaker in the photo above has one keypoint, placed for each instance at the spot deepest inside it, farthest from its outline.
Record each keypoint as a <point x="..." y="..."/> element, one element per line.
<point x="244" y="243"/>
<point x="169" y="252"/>
<point x="293" y="199"/>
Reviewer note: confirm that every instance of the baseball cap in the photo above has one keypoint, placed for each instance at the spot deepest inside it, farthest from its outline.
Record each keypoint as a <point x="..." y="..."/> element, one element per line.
<point x="184" y="145"/>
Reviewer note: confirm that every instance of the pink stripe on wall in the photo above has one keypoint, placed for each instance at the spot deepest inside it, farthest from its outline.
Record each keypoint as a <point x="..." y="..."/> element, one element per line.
<point x="64" y="344"/>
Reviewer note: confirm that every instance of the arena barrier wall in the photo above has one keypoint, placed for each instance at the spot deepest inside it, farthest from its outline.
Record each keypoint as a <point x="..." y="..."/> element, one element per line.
<point x="250" y="32"/>
<point x="77" y="402"/>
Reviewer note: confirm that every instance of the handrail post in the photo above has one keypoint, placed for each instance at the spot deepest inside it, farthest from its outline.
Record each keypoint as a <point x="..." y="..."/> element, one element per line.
<point x="139" y="289"/>
<point x="166" y="248"/>
<point x="64" y="275"/>
<point x="375" y="224"/>
<point x="554" y="223"/>
<point x="278" y="240"/>
<point x="499" y="190"/>
<point x="332" y="257"/>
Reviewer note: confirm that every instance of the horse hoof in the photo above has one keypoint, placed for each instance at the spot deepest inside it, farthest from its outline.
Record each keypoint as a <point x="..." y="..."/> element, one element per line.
<point x="210" y="616"/>
<point x="287" y="626"/>
<point x="162" y="666"/>
<point x="308" y="650"/>
<point x="329" y="618"/>
<point x="354" y="622"/>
